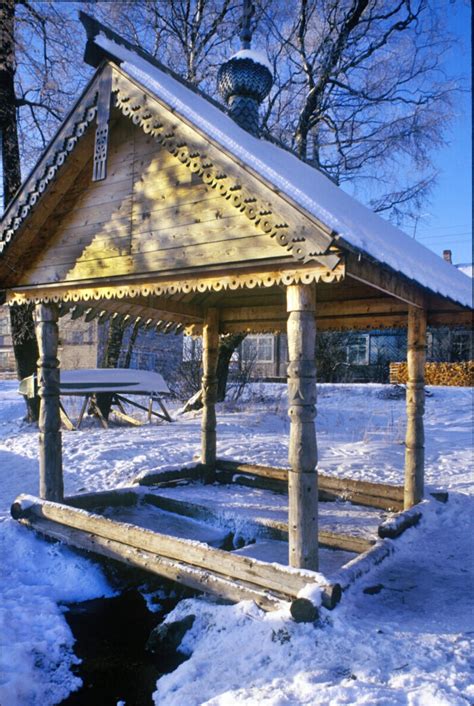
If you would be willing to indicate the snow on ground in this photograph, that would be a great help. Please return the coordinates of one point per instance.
(410, 643)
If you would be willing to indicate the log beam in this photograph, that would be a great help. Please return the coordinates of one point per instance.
(415, 437)
(194, 564)
(358, 492)
(363, 564)
(186, 574)
(392, 283)
(396, 525)
(50, 446)
(210, 349)
(302, 453)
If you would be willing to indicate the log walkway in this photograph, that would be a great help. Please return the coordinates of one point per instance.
(79, 522)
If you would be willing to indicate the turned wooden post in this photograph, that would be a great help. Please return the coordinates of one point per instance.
(210, 349)
(415, 437)
(302, 456)
(50, 451)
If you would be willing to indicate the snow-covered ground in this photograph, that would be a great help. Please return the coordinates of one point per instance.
(409, 643)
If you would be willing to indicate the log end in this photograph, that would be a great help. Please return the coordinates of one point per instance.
(303, 611)
(441, 496)
(391, 529)
(331, 595)
(20, 506)
(16, 510)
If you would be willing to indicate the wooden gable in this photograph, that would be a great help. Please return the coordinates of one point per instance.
(172, 201)
(151, 214)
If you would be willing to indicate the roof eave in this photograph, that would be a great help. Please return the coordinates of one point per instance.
(411, 291)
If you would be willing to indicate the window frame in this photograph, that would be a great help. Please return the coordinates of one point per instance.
(259, 340)
(352, 345)
(461, 346)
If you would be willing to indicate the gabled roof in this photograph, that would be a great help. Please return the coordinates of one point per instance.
(353, 223)
(354, 226)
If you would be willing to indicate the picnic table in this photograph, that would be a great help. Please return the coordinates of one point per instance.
(118, 384)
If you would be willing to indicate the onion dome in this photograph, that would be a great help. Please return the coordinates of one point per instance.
(244, 81)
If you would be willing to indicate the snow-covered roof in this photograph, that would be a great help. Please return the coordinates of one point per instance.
(467, 268)
(354, 223)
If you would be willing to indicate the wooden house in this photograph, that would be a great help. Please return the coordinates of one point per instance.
(7, 358)
(152, 204)
(77, 343)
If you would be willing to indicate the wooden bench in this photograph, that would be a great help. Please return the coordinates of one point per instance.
(117, 383)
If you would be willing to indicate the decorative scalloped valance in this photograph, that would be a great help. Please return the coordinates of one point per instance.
(75, 293)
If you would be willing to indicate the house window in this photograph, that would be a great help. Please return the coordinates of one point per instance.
(461, 345)
(429, 345)
(358, 350)
(4, 324)
(79, 338)
(192, 349)
(259, 349)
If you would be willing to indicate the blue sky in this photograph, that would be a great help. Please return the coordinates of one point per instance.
(446, 222)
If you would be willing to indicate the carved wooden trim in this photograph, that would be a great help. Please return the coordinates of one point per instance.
(102, 130)
(215, 283)
(145, 111)
(83, 120)
(50, 450)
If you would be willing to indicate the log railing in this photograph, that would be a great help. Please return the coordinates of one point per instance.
(379, 495)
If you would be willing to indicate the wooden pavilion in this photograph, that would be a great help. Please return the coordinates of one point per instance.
(152, 205)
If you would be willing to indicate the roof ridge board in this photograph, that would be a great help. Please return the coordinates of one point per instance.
(57, 135)
(93, 27)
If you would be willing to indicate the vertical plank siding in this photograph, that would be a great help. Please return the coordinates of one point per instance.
(150, 214)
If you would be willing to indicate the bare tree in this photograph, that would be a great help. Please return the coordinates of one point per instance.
(49, 70)
(359, 87)
(25, 347)
(8, 121)
(360, 93)
(192, 37)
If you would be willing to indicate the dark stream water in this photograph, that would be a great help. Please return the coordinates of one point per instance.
(111, 635)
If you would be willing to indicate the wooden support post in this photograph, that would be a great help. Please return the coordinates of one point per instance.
(210, 349)
(415, 438)
(50, 450)
(302, 478)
